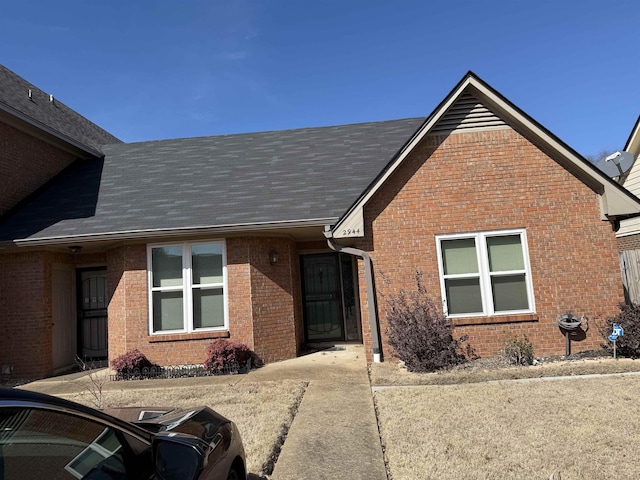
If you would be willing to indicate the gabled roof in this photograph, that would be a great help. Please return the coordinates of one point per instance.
(633, 142)
(616, 202)
(304, 177)
(308, 177)
(51, 120)
(631, 179)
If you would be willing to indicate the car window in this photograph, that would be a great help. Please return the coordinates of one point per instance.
(38, 444)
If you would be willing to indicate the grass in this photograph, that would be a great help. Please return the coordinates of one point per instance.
(453, 424)
(263, 411)
(389, 373)
(582, 428)
(468, 422)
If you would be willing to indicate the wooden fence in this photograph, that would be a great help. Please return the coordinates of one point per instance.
(630, 268)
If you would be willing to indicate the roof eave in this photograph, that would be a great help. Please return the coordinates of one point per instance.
(633, 142)
(170, 232)
(618, 203)
(23, 121)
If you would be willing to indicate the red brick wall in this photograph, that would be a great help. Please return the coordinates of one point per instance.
(25, 317)
(26, 163)
(239, 282)
(26, 308)
(262, 309)
(274, 312)
(629, 242)
(494, 180)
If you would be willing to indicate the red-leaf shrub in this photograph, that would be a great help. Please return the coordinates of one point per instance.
(419, 334)
(129, 361)
(627, 345)
(223, 354)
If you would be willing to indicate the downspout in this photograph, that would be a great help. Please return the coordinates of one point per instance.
(371, 299)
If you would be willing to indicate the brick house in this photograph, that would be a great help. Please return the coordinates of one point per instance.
(281, 239)
(629, 232)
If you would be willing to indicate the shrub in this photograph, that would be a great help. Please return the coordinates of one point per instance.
(223, 354)
(129, 361)
(518, 352)
(627, 345)
(419, 334)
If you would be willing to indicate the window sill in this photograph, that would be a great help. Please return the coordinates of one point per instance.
(179, 337)
(464, 321)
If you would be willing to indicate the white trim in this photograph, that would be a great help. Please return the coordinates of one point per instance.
(180, 231)
(615, 202)
(484, 273)
(187, 286)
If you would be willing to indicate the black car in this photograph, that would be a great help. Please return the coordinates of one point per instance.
(44, 437)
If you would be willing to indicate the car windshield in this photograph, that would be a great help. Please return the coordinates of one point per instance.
(44, 444)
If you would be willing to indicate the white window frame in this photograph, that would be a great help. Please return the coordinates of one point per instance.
(187, 286)
(484, 272)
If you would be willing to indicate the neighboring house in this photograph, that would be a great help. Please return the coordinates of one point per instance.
(629, 232)
(281, 239)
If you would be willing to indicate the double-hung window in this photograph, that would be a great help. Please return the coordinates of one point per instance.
(485, 273)
(187, 287)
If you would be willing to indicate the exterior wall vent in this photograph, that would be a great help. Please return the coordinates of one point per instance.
(467, 113)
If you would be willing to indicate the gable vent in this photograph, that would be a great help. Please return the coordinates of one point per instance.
(467, 113)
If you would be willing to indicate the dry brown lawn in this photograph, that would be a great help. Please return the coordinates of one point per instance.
(390, 373)
(263, 411)
(578, 428)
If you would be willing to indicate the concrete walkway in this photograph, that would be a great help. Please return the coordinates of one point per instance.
(335, 432)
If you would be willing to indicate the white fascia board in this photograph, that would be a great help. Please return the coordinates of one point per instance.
(615, 202)
(173, 232)
(633, 142)
(351, 226)
(355, 217)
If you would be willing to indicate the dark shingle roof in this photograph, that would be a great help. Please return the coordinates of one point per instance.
(55, 116)
(245, 179)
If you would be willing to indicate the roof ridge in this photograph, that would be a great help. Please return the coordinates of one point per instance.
(287, 130)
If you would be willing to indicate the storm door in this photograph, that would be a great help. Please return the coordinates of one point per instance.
(92, 313)
(329, 289)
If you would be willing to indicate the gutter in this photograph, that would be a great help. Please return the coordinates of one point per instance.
(167, 232)
(371, 299)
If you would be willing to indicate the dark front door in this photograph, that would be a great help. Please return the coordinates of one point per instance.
(330, 298)
(92, 313)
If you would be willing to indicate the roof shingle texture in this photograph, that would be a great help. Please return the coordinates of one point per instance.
(244, 179)
(14, 93)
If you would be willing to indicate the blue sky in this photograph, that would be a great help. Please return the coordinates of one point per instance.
(148, 70)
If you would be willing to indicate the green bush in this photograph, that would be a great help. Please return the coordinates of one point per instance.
(518, 351)
(419, 334)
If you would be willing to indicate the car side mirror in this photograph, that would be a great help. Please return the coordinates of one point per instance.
(177, 456)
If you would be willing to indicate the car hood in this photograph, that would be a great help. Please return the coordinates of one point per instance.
(201, 422)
